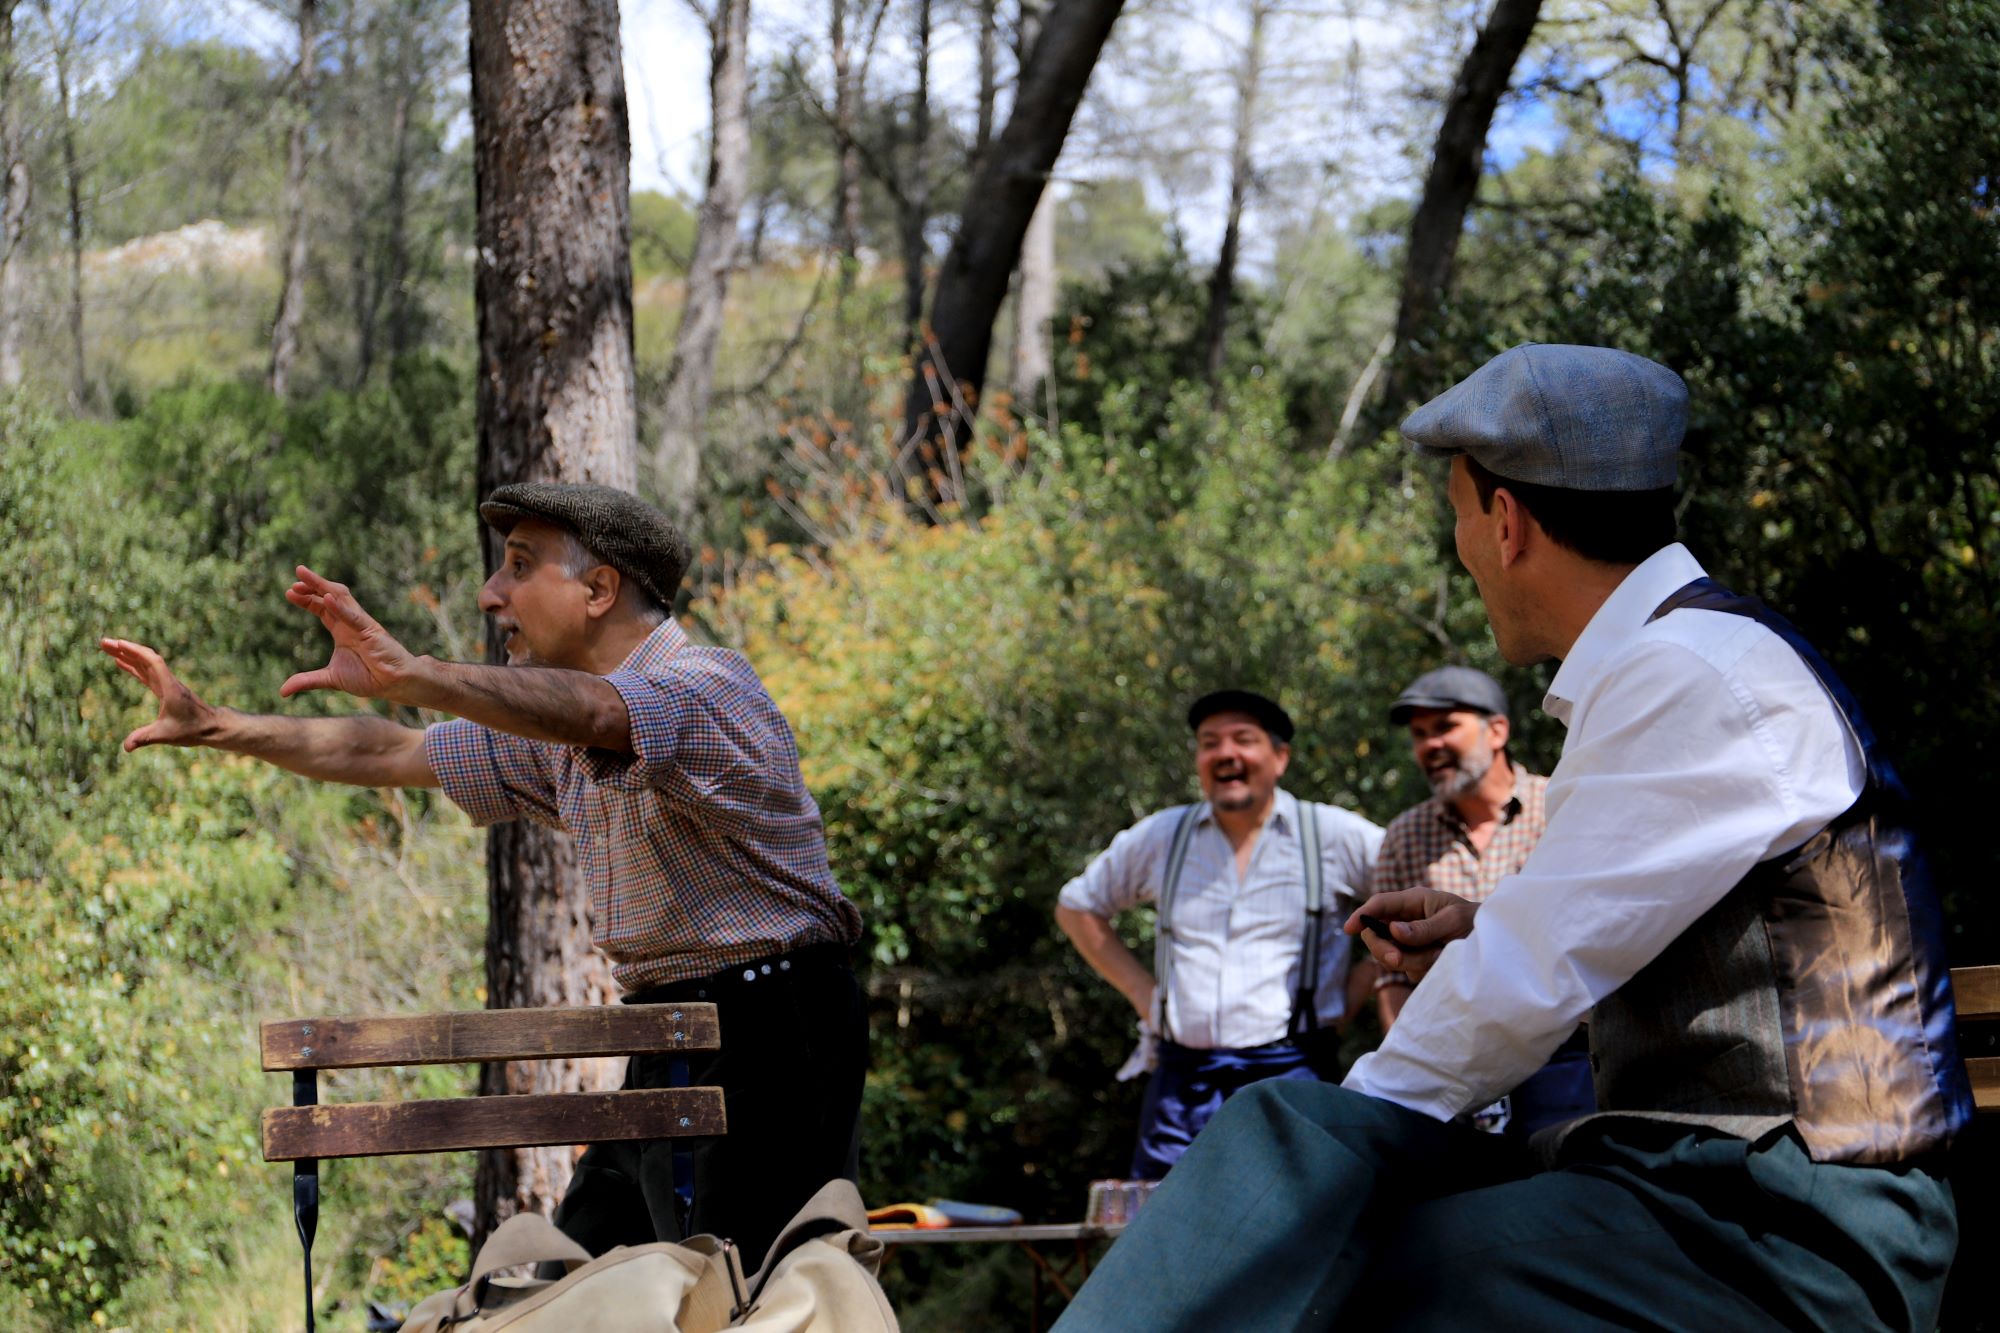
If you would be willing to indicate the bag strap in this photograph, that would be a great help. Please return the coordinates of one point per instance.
(1305, 1007)
(524, 1238)
(1163, 930)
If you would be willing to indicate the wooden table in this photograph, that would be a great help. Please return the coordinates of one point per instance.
(1061, 1273)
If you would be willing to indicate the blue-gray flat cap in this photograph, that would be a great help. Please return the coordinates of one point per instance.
(1448, 688)
(1549, 414)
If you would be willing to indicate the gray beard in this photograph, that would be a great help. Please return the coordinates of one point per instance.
(1456, 782)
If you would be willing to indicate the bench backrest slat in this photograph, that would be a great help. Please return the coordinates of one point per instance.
(386, 1129)
(489, 1034)
(1976, 991)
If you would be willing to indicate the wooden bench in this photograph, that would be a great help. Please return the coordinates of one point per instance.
(1977, 991)
(307, 1131)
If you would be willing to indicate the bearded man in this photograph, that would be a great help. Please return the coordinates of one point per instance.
(1485, 814)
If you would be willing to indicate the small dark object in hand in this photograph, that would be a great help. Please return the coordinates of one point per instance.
(1381, 928)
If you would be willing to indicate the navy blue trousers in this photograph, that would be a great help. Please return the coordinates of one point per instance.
(1307, 1206)
(1189, 1086)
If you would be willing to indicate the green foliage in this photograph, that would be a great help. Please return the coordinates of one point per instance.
(662, 235)
(187, 135)
(436, 1255)
(158, 905)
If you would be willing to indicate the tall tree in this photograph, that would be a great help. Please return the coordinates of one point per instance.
(1035, 293)
(556, 402)
(691, 376)
(972, 283)
(298, 146)
(1249, 75)
(67, 43)
(15, 191)
(1452, 182)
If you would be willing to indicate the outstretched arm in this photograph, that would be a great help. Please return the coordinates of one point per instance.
(364, 750)
(541, 703)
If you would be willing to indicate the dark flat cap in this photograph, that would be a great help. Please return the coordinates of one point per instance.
(622, 530)
(1266, 711)
(1450, 687)
(1549, 414)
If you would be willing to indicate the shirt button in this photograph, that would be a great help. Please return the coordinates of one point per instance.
(767, 969)
(785, 965)
(749, 974)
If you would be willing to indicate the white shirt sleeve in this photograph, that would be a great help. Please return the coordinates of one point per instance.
(1675, 783)
(1126, 873)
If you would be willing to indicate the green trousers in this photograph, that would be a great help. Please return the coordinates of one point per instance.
(1307, 1206)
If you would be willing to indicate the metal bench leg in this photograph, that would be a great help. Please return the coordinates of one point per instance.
(305, 1184)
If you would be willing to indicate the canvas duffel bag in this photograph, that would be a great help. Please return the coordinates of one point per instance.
(818, 1278)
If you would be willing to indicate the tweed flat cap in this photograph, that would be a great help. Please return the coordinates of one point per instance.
(1267, 713)
(622, 530)
(1450, 687)
(1550, 414)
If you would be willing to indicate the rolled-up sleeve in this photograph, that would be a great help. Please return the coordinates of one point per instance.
(491, 775)
(1127, 872)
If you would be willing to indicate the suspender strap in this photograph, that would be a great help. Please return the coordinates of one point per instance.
(1305, 1006)
(1163, 930)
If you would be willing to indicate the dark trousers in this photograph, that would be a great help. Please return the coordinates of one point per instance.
(794, 1049)
(1189, 1086)
(1307, 1206)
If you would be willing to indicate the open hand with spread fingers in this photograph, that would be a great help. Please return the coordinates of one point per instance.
(367, 661)
(184, 719)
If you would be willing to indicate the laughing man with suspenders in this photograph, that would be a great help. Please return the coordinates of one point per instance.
(1251, 885)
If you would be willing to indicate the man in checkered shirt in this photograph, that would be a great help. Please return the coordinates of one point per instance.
(678, 779)
(1484, 815)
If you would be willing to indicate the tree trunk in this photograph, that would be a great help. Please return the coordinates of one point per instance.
(552, 161)
(917, 197)
(1451, 184)
(14, 180)
(691, 377)
(1035, 294)
(79, 380)
(292, 292)
(1222, 282)
(989, 70)
(847, 189)
(1000, 203)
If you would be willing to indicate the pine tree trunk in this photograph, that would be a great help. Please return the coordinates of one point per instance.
(1450, 186)
(1035, 294)
(292, 292)
(917, 194)
(1222, 282)
(556, 402)
(691, 377)
(15, 181)
(79, 378)
(1001, 200)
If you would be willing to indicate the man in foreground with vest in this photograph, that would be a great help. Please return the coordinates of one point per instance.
(1484, 816)
(1252, 885)
(1726, 885)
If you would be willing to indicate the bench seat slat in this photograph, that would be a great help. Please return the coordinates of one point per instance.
(1976, 991)
(488, 1034)
(1985, 1075)
(384, 1129)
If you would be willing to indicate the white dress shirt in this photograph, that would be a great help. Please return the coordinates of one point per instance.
(1698, 746)
(1235, 965)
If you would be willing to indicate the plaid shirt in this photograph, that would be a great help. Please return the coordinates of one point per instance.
(701, 850)
(1426, 846)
